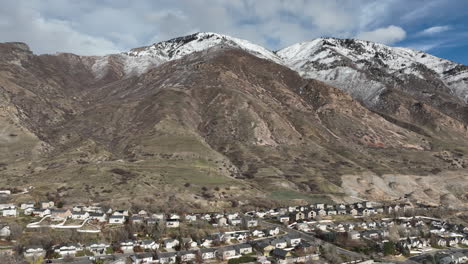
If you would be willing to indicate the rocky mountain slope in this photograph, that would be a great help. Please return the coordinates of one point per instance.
(211, 121)
(371, 72)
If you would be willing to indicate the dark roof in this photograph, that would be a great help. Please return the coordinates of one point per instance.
(280, 252)
(244, 245)
(304, 244)
(147, 242)
(166, 254)
(206, 250)
(183, 252)
(144, 255)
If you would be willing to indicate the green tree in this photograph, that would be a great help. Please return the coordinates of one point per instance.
(389, 248)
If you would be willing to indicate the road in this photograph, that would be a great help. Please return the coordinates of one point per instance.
(314, 239)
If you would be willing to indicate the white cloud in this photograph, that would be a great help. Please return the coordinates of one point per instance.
(385, 35)
(98, 27)
(44, 35)
(434, 30)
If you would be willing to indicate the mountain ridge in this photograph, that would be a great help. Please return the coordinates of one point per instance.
(218, 127)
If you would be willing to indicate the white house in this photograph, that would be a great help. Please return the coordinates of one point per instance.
(67, 249)
(46, 204)
(172, 223)
(6, 206)
(279, 243)
(9, 212)
(171, 243)
(208, 253)
(191, 217)
(4, 230)
(243, 249)
(235, 221)
(34, 252)
(226, 253)
(127, 246)
(117, 219)
(100, 217)
(79, 215)
(97, 248)
(167, 257)
(41, 212)
(120, 213)
(149, 244)
(283, 219)
(186, 256)
(25, 206)
(142, 258)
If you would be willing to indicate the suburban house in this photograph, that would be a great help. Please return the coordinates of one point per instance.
(46, 204)
(258, 233)
(320, 212)
(191, 218)
(280, 253)
(171, 243)
(41, 212)
(100, 217)
(296, 216)
(310, 214)
(136, 219)
(187, 255)
(167, 257)
(354, 235)
(172, 223)
(272, 232)
(149, 244)
(60, 214)
(34, 252)
(264, 247)
(9, 212)
(331, 212)
(222, 221)
(208, 253)
(250, 222)
(67, 249)
(79, 215)
(283, 219)
(235, 221)
(117, 219)
(243, 249)
(207, 242)
(127, 246)
(293, 240)
(279, 243)
(226, 253)
(142, 258)
(25, 206)
(4, 230)
(121, 213)
(6, 206)
(97, 248)
(188, 242)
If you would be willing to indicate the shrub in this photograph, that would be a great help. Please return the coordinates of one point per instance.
(244, 259)
(389, 248)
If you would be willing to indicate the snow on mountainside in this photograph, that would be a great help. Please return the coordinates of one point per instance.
(139, 60)
(352, 64)
(362, 68)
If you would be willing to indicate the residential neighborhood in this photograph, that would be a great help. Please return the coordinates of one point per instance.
(362, 232)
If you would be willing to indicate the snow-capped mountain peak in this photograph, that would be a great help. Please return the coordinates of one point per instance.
(362, 68)
(349, 63)
(139, 60)
(178, 47)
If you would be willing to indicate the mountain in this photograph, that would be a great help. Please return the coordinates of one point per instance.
(139, 60)
(223, 126)
(374, 73)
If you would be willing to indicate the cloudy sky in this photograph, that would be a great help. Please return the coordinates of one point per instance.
(95, 27)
